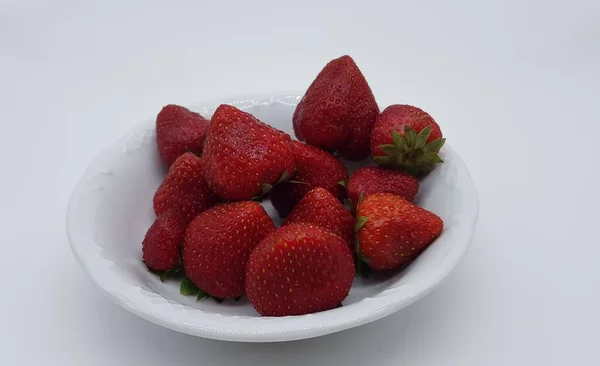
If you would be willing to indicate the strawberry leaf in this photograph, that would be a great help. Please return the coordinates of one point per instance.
(384, 160)
(397, 138)
(202, 295)
(434, 146)
(360, 222)
(422, 137)
(284, 176)
(163, 275)
(266, 188)
(411, 137)
(187, 288)
(360, 199)
(390, 149)
(342, 183)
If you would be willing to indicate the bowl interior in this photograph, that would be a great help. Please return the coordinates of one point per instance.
(119, 203)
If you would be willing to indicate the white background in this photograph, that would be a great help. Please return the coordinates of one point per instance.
(515, 86)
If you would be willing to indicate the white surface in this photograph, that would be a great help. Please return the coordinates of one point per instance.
(111, 209)
(515, 85)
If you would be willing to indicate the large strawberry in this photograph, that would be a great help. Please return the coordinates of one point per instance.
(299, 269)
(320, 207)
(314, 168)
(179, 130)
(218, 243)
(392, 231)
(406, 138)
(338, 110)
(161, 248)
(184, 190)
(245, 157)
(369, 180)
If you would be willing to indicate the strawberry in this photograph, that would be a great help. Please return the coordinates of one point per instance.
(179, 130)
(320, 207)
(218, 243)
(184, 190)
(392, 231)
(338, 110)
(369, 180)
(162, 243)
(245, 157)
(314, 168)
(299, 269)
(406, 138)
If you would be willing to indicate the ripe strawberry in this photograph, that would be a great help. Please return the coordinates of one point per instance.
(184, 190)
(392, 231)
(338, 110)
(179, 130)
(218, 243)
(406, 138)
(162, 243)
(299, 269)
(319, 207)
(369, 180)
(315, 168)
(245, 157)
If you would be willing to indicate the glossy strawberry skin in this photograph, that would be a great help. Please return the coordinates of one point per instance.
(319, 207)
(179, 130)
(338, 110)
(162, 243)
(369, 180)
(395, 231)
(299, 269)
(184, 190)
(315, 168)
(218, 243)
(243, 155)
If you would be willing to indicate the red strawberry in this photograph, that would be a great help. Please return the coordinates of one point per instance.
(162, 243)
(338, 110)
(392, 231)
(406, 138)
(299, 269)
(369, 180)
(179, 130)
(320, 207)
(184, 190)
(316, 168)
(245, 157)
(218, 243)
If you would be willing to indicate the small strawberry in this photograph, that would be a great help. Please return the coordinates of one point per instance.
(314, 168)
(338, 110)
(218, 243)
(299, 269)
(179, 130)
(392, 231)
(369, 180)
(406, 138)
(320, 207)
(184, 190)
(162, 243)
(245, 157)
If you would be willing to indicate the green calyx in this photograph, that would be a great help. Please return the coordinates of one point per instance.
(411, 152)
(163, 275)
(188, 288)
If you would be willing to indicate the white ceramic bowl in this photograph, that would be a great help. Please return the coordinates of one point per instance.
(111, 209)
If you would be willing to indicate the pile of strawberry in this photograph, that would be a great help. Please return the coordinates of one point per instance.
(210, 228)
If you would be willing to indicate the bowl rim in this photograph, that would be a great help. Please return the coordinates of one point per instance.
(153, 307)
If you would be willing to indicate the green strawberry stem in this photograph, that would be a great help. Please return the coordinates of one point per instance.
(411, 152)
